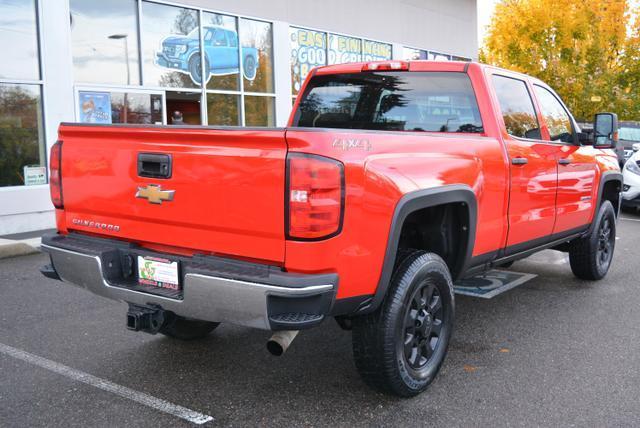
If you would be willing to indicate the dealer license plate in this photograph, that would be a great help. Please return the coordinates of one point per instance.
(157, 272)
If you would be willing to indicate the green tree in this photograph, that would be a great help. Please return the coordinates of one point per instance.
(583, 49)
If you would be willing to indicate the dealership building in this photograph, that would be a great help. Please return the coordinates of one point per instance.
(200, 62)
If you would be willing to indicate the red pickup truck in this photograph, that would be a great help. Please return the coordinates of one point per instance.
(391, 181)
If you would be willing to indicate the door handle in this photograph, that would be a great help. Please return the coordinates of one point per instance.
(564, 161)
(519, 161)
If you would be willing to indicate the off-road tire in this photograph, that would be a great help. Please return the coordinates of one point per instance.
(182, 328)
(590, 257)
(382, 339)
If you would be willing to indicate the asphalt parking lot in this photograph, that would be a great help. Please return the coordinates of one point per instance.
(555, 351)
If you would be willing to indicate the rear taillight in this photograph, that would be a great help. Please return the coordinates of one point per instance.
(55, 174)
(315, 196)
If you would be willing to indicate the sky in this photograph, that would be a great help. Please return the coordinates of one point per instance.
(485, 10)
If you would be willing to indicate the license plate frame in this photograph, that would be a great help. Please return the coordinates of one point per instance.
(159, 273)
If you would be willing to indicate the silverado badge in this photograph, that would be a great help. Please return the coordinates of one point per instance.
(154, 194)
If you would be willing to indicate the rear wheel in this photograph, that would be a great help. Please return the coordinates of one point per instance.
(399, 348)
(590, 257)
(187, 329)
(250, 69)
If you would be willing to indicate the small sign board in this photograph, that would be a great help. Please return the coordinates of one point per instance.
(34, 175)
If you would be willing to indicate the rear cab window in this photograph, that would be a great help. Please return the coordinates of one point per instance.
(516, 106)
(391, 101)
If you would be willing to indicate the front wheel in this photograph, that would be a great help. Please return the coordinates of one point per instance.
(399, 348)
(195, 68)
(590, 257)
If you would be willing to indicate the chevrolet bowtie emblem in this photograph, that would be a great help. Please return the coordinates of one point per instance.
(154, 194)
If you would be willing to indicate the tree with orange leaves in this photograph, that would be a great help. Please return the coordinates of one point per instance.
(588, 51)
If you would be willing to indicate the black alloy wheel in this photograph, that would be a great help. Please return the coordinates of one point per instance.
(423, 323)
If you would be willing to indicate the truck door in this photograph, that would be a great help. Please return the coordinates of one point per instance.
(576, 164)
(533, 165)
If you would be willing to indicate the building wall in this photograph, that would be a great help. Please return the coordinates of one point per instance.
(442, 25)
(446, 26)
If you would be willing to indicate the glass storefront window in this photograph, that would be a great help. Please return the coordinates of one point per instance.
(171, 46)
(259, 111)
(222, 62)
(223, 109)
(183, 108)
(22, 148)
(140, 108)
(308, 50)
(19, 40)
(104, 40)
(256, 41)
(343, 49)
(436, 56)
(119, 107)
(410, 54)
(376, 51)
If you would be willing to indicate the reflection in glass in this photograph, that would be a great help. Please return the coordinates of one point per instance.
(104, 41)
(343, 49)
(436, 56)
(517, 108)
(19, 40)
(221, 51)
(171, 46)
(259, 111)
(183, 108)
(308, 50)
(391, 101)
(223, 109)
(21, 135)
(555, 116)
(140, 108)
(376, 51)
(409, 54)
(257, 55)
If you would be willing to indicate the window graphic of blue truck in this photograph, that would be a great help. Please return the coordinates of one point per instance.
(182, 53)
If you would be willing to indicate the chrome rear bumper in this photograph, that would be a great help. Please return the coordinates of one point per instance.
(207, 297)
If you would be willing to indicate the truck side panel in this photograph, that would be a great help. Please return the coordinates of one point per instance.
(395, 164)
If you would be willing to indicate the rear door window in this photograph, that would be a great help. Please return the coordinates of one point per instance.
(392, 101)
(517, 107)
(556, 117)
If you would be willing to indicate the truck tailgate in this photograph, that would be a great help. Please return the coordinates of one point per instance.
(228, 187)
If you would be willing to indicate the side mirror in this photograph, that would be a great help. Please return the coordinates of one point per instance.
(605, 130)
(636, 147)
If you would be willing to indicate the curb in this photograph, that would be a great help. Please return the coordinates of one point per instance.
(9, 248)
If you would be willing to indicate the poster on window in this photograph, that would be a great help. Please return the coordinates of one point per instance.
(94, 107)
(376, 51)
(308, 50)
(175, 43)
(343, 49)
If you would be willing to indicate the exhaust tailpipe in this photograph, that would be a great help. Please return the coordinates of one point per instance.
(280, 341)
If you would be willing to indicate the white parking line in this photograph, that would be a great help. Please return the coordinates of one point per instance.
(105, 385)
(630, 219)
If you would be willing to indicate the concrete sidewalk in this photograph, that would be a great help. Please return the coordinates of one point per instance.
(21, 244)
